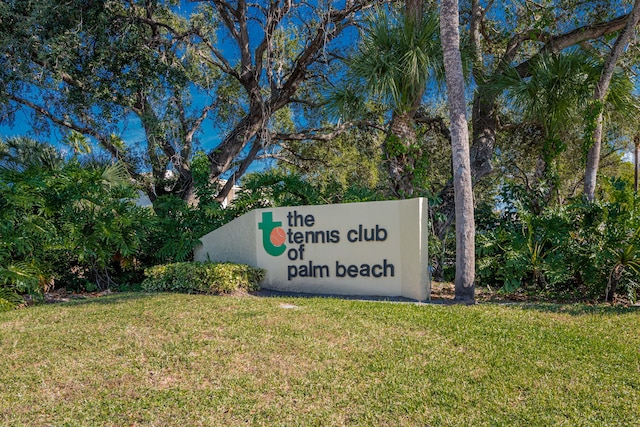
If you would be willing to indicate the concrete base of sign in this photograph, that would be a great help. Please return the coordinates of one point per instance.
(368, 249)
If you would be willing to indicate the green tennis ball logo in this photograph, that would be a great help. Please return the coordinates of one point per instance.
(273, 235)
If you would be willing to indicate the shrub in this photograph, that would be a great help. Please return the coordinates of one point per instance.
(197, 277)
(581, 249)
(65, 222)
(9, 299)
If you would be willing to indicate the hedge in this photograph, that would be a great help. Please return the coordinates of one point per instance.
(202, 277)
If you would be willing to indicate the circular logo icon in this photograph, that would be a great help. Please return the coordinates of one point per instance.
(277, 236)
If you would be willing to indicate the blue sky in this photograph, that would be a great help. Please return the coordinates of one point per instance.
(130, 128)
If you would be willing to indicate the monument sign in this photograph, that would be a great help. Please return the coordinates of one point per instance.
(369, 248)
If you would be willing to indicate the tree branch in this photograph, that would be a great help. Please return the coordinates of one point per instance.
(434, 122)
(328, 28)
(309, 103)
(242, 168)
(103, 140)
(198, 122)
(562, 41)
(324, 134)
(274, 17)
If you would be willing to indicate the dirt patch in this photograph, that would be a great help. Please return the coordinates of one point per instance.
(61, 295)
(444, 291)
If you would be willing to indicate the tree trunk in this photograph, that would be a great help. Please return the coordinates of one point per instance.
(612, 284)
(162, 153)
(481, 153)
(485, 124)
(635, 162)
(223, 155)
(400, 153)
(463, 192)
(593, 156)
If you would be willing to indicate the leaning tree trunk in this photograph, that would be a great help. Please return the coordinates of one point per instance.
(465, 225)
(636, 151)
(593, 156)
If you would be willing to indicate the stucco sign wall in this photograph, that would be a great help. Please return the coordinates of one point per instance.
(372, 248)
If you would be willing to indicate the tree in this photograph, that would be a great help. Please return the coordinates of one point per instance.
(397, 54)
(465, 226)
(593, 157)
(554, 100)
(87, 65)
(515, 38)
(348, 158)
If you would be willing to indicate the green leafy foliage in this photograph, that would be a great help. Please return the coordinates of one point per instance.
(9, 299)
(178, 225)
(65, 222)
(351, 159)
(579, 249)
(207, 277)
(279, 188)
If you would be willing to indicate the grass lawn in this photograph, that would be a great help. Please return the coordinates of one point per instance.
(187, 360)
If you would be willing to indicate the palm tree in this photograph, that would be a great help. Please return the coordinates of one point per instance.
(625, 258)
(463, 191)
(553, 97)
(397, 55)
(550, 98)
(21, 152)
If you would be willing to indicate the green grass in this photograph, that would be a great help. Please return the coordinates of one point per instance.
(190, 360)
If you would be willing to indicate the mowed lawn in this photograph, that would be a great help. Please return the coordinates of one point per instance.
(192, 360)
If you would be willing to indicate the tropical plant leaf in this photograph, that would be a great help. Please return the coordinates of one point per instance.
(9, 299)
(115, 174)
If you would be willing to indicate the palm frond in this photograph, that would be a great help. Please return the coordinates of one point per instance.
(345, 102)
(621, 97)
(396, 56)
(115, 174)
(18, 153)
(79, 143)
(554, 92)
(22, 275)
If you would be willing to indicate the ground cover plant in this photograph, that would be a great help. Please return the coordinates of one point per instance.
(64, 222)
(175, 359)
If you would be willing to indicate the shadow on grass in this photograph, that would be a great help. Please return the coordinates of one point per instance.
(579, 309)
(268, 293)
(573, 309)
(111, 299)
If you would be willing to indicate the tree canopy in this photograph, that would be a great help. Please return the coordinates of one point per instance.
(240, 67)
